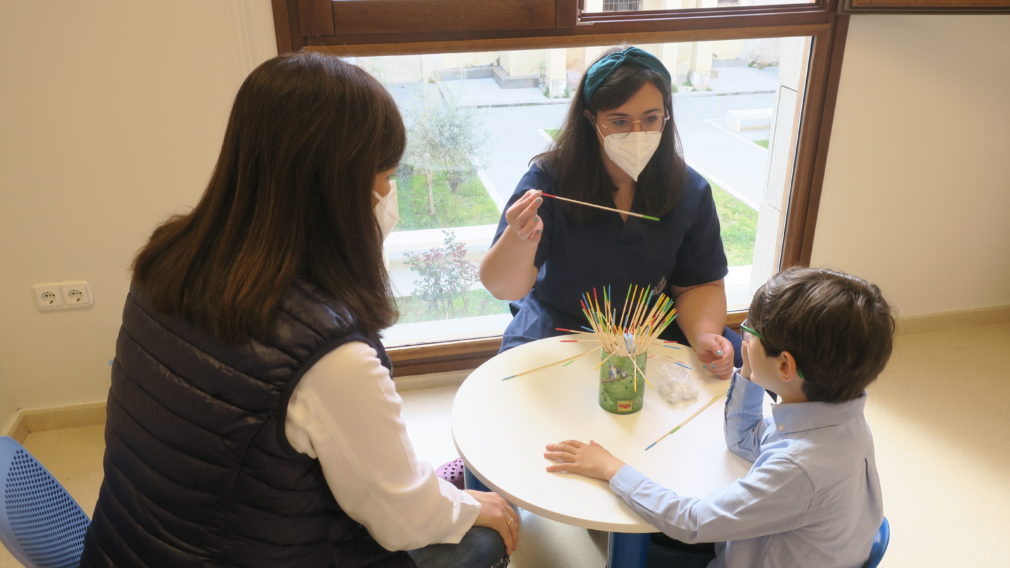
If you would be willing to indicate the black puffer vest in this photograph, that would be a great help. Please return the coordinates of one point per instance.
(198, 469)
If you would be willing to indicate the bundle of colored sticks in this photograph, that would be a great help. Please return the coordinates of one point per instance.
(643, 316)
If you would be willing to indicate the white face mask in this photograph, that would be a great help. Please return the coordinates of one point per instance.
(632, 152)
(387, 210)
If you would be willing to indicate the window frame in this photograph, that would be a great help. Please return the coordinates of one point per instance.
(309, 25)
(925, 6)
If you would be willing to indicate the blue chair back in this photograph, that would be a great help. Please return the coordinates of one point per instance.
(40, 523)
(879, 545)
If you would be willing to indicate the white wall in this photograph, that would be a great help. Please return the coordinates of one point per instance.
(112, 111)
(917, 188)
(111, 115)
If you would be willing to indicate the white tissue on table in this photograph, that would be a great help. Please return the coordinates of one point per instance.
(672, 381)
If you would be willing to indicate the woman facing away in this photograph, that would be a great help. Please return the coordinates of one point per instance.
(618, 148)
(252, 419)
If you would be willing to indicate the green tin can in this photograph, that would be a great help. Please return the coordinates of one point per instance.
(622, 383)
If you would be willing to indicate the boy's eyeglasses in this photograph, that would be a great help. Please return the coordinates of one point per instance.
(746, 331)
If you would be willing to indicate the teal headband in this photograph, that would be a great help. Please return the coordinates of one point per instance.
(605, 67)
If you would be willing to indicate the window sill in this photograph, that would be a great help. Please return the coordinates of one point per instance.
(466, 354)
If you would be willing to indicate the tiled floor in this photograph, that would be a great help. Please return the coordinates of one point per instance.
(941, 420)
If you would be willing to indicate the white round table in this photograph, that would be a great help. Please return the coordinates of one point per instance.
(500, 427)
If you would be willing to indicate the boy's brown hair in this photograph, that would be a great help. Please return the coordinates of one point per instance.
(838, 327)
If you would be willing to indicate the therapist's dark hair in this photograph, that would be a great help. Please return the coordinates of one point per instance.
(837, 326)
(575, 155)
(290, 196)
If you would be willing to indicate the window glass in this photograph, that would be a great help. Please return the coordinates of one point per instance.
(595, 6)
(621, 6)
(476, 119)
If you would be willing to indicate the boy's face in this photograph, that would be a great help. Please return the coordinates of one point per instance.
(777, 374)
(764, 370)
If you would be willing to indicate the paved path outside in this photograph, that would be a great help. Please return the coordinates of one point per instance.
(515, 119)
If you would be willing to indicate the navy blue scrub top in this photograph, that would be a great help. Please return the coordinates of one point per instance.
(684, 249)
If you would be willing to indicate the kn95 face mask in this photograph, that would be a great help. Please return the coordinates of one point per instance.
(632, 151)
(387, 210)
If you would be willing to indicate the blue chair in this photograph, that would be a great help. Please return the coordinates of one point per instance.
(40, 523)
(879, 545)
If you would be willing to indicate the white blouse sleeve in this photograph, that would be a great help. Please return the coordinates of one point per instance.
(346, 413)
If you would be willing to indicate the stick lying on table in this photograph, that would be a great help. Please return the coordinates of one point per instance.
(566, 360)
(688, 419)
(649, 217)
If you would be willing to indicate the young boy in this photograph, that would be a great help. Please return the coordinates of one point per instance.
(816, 338)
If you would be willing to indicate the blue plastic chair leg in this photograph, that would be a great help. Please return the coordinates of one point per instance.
(628, 550)
(470, 481)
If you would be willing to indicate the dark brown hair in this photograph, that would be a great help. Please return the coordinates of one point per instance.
(574, 156)
(837, 326)
(290, 196)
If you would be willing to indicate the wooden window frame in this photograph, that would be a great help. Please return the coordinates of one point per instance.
(925, 6)
(309, 25)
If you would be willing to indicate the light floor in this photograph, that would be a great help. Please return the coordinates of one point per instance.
(941, 420)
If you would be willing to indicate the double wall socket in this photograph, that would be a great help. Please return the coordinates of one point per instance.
(70, 295)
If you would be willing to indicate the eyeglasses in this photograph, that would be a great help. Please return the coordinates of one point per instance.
(747, 332)
(620, 127)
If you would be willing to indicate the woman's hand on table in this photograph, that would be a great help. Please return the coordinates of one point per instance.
(591, 460)
(716, 354)
(522, 217)
(497, 514)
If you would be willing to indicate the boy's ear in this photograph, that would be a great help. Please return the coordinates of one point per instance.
(788, 371)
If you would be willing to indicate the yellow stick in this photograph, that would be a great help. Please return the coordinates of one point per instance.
(688, 419)
(636, 320)
(572, 358)
(634, 384)
(609, 355)
(664, 357)
(649, 217)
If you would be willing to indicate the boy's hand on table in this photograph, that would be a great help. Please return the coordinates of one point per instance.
(591, 460)
(716, 354)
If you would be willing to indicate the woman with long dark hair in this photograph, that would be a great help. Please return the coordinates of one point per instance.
(252, 420)
(618, 148)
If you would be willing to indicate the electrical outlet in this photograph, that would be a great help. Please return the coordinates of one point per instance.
(73, 294)
(48, 296)
(76, 294)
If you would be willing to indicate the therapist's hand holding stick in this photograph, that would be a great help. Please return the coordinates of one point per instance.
(507, 270)
(523, 219)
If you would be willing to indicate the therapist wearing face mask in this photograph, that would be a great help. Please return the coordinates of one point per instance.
(618, 148)
(252, 419)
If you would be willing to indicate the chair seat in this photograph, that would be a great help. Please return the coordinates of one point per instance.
(40, 522)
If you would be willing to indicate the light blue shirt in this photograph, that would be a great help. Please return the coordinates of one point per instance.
(812, 497)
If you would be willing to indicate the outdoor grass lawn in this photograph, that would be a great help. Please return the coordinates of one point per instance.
(470, 205)
(481, 303)
(738, 223)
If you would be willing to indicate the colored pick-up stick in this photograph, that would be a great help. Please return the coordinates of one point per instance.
(649, 217)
